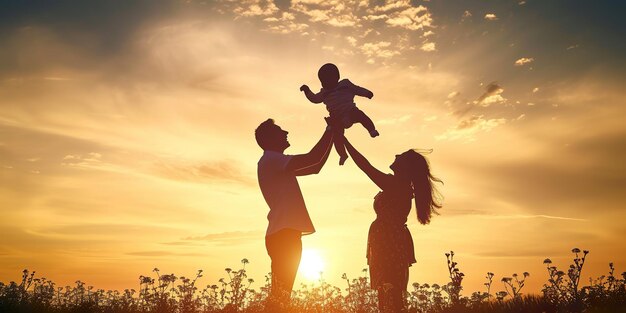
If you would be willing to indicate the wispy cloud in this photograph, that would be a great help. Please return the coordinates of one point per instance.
(522, 216)
(524, 61)
(411, 18)
(219, 171)
(249, 8)
(161, 253)
(379, 49)
(395, 120)
(314, 18)
(492, 95)
(491, 17)
(467, 128)
(228, 237)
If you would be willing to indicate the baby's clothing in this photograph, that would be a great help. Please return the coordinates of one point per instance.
(339, 101)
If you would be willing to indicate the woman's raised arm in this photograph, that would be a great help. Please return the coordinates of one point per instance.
(382, 180)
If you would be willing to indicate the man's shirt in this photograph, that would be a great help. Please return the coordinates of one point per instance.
(282, 193)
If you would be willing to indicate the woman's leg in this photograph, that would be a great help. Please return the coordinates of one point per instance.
(399, 293)
(392, 296)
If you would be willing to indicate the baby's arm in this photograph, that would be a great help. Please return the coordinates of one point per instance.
(313, 97)
(360, 91)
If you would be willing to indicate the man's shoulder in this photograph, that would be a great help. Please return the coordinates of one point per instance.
(272, 157)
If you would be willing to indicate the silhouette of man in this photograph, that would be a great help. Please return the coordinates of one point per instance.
(288, 217)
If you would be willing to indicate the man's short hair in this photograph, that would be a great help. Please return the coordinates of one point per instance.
(263, 133)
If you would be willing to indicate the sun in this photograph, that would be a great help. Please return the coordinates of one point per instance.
(311, 264)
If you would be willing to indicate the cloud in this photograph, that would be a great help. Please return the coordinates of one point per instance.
(89, 160)
(522, 216)
(392, 6)
(468, 128)
(231, 237)
(313, 18)
(328, 12)
(351, 40)
(395, 120)
(161, 253)
(491, 17)
(466, 15)
(248, 8)
(524, 61)
(428, 47)
(284, 24)
(217, 171)
(453, 94)
(492, 95)
(413, 18)
(378, 49)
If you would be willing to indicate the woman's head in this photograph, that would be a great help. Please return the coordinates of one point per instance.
(414, 167)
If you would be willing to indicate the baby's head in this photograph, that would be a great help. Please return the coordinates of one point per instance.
(328, 75)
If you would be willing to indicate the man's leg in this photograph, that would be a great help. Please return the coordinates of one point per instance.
(285, 251)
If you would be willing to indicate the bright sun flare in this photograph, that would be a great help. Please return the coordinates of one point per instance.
(311, 264)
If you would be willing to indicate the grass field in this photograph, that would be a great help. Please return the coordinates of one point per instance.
(563, 292)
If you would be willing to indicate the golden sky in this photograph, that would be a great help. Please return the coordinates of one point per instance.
(126, 133)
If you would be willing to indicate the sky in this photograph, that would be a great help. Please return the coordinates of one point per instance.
(126, 133)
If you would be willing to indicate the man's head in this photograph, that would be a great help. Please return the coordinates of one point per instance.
(328, 75)
(270, 136)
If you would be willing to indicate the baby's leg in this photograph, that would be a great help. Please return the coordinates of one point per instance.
(360, 117)
(340, 146)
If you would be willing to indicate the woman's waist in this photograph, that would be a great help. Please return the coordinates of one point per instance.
(397, 221)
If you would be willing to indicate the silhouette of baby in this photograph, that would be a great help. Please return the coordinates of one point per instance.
(338, 96)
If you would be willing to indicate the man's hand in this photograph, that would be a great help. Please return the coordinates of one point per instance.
(305, 88)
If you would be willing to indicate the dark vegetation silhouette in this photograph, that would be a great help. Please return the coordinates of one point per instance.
(167, 293)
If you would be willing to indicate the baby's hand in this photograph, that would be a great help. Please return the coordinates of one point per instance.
(304, 88)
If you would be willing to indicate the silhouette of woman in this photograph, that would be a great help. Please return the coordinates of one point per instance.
(390, 250)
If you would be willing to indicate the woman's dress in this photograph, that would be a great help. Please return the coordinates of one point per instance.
(390, 249)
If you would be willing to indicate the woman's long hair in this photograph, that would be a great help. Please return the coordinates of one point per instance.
(427, 197)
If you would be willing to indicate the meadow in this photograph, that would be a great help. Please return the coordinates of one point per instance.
(167, 293)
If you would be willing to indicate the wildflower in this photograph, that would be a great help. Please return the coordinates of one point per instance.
(575, 250)
(547, 261)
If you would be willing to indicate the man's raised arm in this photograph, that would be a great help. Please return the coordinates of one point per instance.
(318, 153)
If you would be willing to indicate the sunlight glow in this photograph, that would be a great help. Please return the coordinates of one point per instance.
(312, 264)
